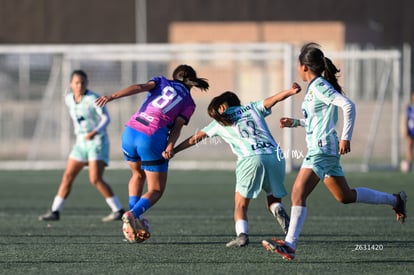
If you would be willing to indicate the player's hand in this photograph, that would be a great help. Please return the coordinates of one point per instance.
(286, 122)
(101, 101)
(344, 147)
(296, 88)
(90, 135)
(168, 154)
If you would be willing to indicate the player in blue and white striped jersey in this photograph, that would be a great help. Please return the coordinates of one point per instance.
(320, 110)
(260, 161)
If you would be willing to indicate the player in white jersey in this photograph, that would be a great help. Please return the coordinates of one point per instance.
(320, 109)
(91, 148)
(260, 161)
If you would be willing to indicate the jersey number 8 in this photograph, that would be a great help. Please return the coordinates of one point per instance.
(168, 94)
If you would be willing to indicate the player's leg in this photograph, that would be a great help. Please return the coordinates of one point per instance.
(147, 150)
(410, 152)
(274, 186)
(277, 209)
(305, 183)
(340, 189)
(241, 205)
(73, 167)
(96, 171)
(156, 182)
(136, 183)
(133, 220)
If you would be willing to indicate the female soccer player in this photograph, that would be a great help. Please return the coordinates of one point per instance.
(320, 109)
(91, 148)
(151, 132)
(260, 161)
(407, 164)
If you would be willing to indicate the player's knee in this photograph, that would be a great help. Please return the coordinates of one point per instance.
(345, 200)
(95, 181)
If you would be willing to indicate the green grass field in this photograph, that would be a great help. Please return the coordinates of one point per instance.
(190, 226)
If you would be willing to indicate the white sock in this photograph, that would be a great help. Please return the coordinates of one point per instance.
(370, 196)
(242, 227)
(274, 206)
(114, 203)
(297, 219)
(57, 204)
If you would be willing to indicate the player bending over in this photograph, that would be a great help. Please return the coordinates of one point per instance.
(260, 161)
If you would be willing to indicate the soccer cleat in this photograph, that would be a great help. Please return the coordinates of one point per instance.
(49, 216)
(399, 209)
(143, 231)
(135, 230)
(240, 241)
(114, 216)
(280, 247)
(129, 227)
(282, 218)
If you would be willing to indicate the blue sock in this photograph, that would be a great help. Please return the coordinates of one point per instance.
(132, 201)
(140, 207)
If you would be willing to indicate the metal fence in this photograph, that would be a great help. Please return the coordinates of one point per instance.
(36, 131)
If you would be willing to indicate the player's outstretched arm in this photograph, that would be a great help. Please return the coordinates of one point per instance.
(289, 122)
(280, 96)
(130, 90)
(191, 141)
(173, 137)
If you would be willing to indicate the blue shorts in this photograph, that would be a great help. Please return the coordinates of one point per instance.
(88, 150)
(324, 165)
(261, 172)
(139, 147)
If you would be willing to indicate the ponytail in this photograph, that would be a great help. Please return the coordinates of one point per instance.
(200, 83)
(330, 74)
(312, 56)
(188, 76)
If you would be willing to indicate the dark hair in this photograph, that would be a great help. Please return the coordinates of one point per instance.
(187, 75)
(79, 72)
(213, 108)
(312, 56)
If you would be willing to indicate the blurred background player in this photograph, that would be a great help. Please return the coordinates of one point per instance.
(151, 132)
(409, 126)
(91, 148)
(320, 109)
(260, 161)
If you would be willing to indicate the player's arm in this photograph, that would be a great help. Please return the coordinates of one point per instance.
(173, 137)
(103, 123)
(349, 114)
(191, 141)
(280, 96)
(130, 90)
(291, 122)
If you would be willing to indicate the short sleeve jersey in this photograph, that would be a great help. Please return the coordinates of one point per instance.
(167, 101)
(85, 115)
(249, 135)
(320, 118)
